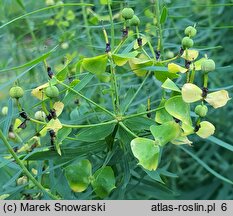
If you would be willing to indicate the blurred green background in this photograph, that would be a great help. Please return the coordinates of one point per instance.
(78, 32)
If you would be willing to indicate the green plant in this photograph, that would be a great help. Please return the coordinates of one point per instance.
(16, 92)
(52, 92)
(98, 126)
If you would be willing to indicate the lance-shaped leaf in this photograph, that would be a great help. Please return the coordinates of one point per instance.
(206, 129)
(78, 175)
(169, 84)
(176, 107)
(96, 65)
(175, 68)
(104, 181)
(191, 93)
(166, 132)
(146, 151)
(217, 99)
(121, 59)
(190, 55)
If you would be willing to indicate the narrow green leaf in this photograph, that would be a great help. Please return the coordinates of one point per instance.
(154, 175)
(163, 16)
(139, 123)
(32, 62)
(70, 152)
(130, 93)
(104, 181)
(220, 143)
(8, 118)
(20, 4)
(95, 133)
(78, 87)
(202, 163)
(44, 9)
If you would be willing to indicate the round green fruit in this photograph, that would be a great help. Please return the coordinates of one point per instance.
(40, 115)
(201, 110)
(135, 21)
(5, 110)
(190, 31)
(52, 92)
(127, 13)
(16, 92)
(169, 54)
(208, 65)
(187, 42)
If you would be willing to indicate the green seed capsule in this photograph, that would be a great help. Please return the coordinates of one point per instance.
(208, 65)
(190, 31)
(16, 92)
(40, 115)
(52, 92)
(201, 110)
(135, 21)
(5, 110)
(169, 54)
(187, 42)
(127, 13)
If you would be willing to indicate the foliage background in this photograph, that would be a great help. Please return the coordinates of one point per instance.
(184, 177)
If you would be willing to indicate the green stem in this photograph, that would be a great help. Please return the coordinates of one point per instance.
(122, 42)
(171, 59)
(77, 126)
(116, 101)
(151, 49)
(187, 73)
(127, 129)
(25, 170)
(87, 99)
(205, 80)
(188, 76)
(112, 24)
(160, 35)
(90, 125)
(136, 93)
(137, 32)
(142, 113)
(192, 75)
(86, 24)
